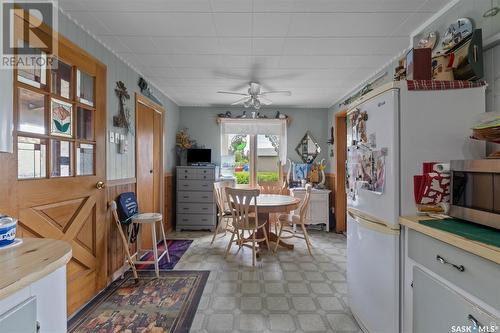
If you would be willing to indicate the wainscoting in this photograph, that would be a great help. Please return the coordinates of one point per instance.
(116, 250)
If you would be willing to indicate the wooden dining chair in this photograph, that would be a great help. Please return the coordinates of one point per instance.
(243, 205)
(288, 220)
(273, 188)
(223, 212)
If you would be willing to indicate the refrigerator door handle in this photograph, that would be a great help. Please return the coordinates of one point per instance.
(376, 226)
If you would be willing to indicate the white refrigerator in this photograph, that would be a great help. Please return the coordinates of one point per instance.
(391, 132)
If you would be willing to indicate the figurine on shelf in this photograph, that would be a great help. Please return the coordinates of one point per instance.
(322, 167)
(227, 114)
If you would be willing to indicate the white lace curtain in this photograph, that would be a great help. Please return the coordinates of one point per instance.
(276, 127)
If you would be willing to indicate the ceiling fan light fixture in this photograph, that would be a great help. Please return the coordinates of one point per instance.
(247, 103)
(256, 104)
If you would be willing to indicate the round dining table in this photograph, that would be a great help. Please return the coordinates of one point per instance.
(274, 203)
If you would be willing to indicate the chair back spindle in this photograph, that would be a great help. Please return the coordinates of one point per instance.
(304, 205)
(242, 203)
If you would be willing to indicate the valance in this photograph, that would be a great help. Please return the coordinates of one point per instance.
(264, 126)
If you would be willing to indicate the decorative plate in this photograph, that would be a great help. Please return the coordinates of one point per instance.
(457, 32)
(428, 41)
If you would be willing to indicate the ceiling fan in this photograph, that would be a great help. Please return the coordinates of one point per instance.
(255, 97)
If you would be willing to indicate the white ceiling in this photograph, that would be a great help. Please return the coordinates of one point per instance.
(190, 49)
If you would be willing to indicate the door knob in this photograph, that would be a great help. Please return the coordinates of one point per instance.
(100, 185)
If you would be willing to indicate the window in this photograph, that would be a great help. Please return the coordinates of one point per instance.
(55, 122)
(253, 150)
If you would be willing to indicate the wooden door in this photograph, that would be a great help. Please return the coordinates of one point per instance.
(340, 159)
(149, 160)
(59, 159)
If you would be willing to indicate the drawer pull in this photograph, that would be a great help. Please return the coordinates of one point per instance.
(461, 268)
(205, 197)
(186, 197)
(474, 321)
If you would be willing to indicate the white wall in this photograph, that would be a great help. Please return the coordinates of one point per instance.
(202, 127)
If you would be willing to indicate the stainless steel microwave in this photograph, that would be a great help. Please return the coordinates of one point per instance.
(475, 191)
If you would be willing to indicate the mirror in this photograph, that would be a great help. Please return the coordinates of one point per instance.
(308, 148)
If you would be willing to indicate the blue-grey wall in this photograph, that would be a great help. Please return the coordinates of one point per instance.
(202, 127)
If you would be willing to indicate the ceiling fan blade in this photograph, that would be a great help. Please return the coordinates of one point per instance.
(232, 93)
(241, 100)
(265, 101)
(281, 92)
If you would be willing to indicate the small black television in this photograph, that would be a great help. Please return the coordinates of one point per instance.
(195, 156)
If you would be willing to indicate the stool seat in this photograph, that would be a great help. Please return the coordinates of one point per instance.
(147, 218)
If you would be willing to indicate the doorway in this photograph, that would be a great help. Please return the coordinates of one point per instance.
(340, 160)
(57, 172)
(149, 160)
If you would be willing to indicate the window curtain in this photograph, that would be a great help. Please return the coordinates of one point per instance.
(276, 127)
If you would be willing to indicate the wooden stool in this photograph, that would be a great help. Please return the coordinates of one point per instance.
(150, 219)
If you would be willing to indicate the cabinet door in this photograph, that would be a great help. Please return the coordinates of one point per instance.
(438, 308)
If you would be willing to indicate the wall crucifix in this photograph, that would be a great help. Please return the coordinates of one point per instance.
(122, 120)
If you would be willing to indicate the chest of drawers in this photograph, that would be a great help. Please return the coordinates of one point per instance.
(196, 208)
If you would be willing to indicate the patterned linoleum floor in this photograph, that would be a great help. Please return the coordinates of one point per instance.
(287, 292)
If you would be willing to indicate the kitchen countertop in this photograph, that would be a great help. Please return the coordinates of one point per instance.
(480, 249)
(33, 259)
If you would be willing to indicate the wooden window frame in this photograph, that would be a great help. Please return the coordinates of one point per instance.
(48, 136)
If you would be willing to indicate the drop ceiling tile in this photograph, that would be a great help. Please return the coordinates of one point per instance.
(234, 46)
(346, 24)
(138, 44)
(319, 62)
(345, 46)
(268, 46)
(231, 5)
(158, 24)
(317, 48)
(339, 6)
(233, 24)
(271, 24)
(141, 6)
(266, 62)
(281, 6)
(186, 45)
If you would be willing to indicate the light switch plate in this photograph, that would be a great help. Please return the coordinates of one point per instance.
(117, 137)
(111, 137)
(122, 137)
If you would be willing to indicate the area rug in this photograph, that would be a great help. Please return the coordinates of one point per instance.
(153, 305)
(176, 249)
